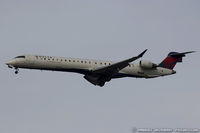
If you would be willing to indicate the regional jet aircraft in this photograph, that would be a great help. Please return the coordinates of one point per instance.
(99, 72)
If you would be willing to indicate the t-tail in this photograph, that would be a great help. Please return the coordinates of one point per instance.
(172, 58)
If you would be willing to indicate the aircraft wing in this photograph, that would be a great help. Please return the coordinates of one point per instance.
(116, 67)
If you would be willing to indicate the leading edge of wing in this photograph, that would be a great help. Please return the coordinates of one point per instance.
(116, 67)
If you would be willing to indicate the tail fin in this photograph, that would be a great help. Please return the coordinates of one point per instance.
(172, 58)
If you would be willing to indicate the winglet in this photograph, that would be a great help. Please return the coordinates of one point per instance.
(140, 55)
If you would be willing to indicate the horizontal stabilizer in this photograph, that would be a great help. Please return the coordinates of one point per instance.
(178, 55)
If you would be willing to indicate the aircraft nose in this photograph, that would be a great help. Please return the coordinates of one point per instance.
(10, 63)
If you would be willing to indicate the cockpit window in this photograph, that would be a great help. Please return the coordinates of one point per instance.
(20, 57)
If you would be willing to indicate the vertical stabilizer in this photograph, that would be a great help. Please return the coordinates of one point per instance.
(172, 58)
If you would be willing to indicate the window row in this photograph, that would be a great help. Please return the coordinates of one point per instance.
(79, 61)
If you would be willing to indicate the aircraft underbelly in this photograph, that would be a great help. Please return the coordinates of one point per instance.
(56, 66)
(138, 72)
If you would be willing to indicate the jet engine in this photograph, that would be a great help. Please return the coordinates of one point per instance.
(147, 64)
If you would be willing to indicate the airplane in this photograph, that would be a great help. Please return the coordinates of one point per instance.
(99, 72)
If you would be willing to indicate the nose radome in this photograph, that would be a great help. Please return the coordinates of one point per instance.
(10, 62)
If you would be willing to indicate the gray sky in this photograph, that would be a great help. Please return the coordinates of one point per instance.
(35, 101)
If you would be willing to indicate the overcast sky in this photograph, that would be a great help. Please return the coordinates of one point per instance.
(49, 102)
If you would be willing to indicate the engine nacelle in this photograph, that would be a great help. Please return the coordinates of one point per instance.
(147, 64)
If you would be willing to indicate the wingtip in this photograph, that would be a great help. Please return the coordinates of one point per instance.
(140, 55)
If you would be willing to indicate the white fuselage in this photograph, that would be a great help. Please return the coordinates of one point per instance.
(83, 66)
